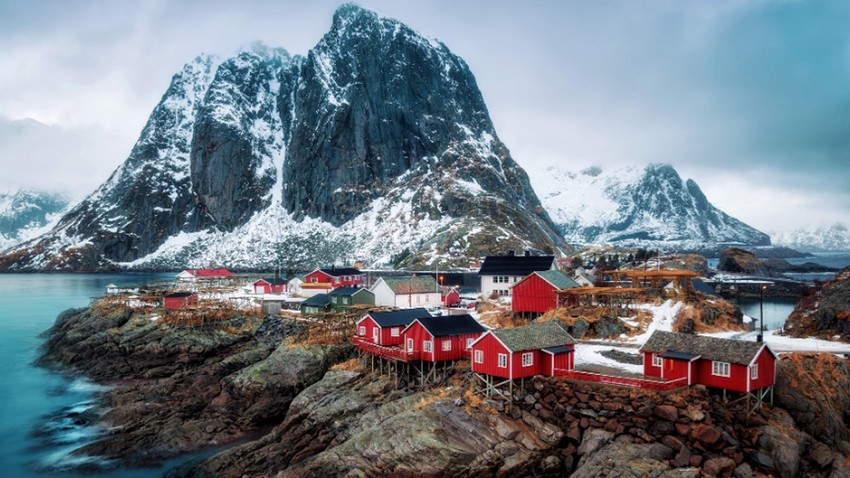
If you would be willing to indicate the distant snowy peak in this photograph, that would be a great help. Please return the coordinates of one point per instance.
(638, 206)
(27, 213)
(819, 239)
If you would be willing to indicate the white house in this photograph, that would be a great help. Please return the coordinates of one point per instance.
(407, 292)
(499, 273)
(294, 285)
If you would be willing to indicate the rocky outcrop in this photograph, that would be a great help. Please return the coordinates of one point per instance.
(824, 312)
(741, 261)
(177, 390)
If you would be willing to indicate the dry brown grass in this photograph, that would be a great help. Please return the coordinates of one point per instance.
(433, 396)
(350, 364)
(723, 321)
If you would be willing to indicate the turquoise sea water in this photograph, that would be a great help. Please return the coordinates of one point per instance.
(39, 425)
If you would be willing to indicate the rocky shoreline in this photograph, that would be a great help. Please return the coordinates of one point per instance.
(296, 409)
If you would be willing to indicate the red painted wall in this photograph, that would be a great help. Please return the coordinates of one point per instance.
(263, 287)
(533, 294)
(490, 347)
(767, 370)
(451, 298)
(180, 302)
(339, 281)
(675, 369)
(736, 381)
(437, 354)
(648, 369)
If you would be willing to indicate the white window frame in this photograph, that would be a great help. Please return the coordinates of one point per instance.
(447, 345)
(410, 345)
(754, 372)
(721, 369)
(314, 279)
(469, 341)
(427, 346)
(362, 331)
(479, 356)
(503, 360)
(657, 361)
(395, 331)
(527, 359)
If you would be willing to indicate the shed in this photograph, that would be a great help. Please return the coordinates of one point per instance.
(179, 300)
(317, 304)
(336, 277)
(406, 291)
(343, 297)
(270, 285)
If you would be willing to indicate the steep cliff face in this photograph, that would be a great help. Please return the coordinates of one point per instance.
(377, 145)
(639, 207)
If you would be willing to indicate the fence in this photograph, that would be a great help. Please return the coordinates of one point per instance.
(629, 382)
(391, 353)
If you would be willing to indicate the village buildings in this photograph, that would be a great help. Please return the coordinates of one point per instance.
(536, 293)
(270, 285)
(406, 291)
(345, 297)
(520, 352)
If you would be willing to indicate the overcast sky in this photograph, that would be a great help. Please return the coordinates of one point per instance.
(748, 98)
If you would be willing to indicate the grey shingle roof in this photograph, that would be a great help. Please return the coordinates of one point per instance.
(318, 300)
(558, 279)
(412, 285)
(540, 335)
(710, 348)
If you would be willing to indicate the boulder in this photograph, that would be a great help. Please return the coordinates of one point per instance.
(719, 466)
(706, 434)
(666, 412)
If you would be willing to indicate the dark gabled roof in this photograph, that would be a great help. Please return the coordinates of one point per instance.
(557, 279)
(701, 286)
(318, 300)
(177, 295)
(679, 355)
(515, 265)
(540, 335)
(710, 348)
(348, 291)
(411, 285)
(395, 318)
(274, 281)
(444, 326)
(557, 349)
(340, 271)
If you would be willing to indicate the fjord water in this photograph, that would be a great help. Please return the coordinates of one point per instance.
(38, 406)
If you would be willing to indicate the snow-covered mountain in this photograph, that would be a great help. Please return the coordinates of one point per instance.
(376, 146)
(818, 239)
(633, 206)
(26, 214)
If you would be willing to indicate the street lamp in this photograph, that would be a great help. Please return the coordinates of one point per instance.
(760, 337)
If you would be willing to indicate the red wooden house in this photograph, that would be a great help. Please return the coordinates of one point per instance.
(179, 300)
(536, 292)
(273, 285)
(335, 277)
(384, 328)
(437, 339)
(736, 365)
(519, 352)
(190, 274)
(449, 296)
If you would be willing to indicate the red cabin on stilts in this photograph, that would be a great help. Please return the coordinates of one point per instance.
(519, 352)
(438, 339)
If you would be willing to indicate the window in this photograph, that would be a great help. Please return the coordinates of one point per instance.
(503, 360)
(345, 300)
(527, 359)
(720, 369)
(657, 361)
(428, 346)
(314, 279)
(447, 345)
(410, 345)
(362, 330)
(469, 342)
(479, 356)
(394, 332)
(754, 372)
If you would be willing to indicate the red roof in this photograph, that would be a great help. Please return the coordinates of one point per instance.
(210, 272)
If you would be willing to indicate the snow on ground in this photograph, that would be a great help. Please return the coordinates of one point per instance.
(662, 319)
(589, 354)
(781, 343)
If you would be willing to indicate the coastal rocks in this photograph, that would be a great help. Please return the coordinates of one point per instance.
(815, 390)
(741, 261)
(382, 431)
(630, 460)
(783, 443)
(825, 313)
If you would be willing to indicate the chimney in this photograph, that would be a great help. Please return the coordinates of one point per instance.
(511, 253)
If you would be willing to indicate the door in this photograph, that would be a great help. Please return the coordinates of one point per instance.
(375, 335)
(410, 346)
